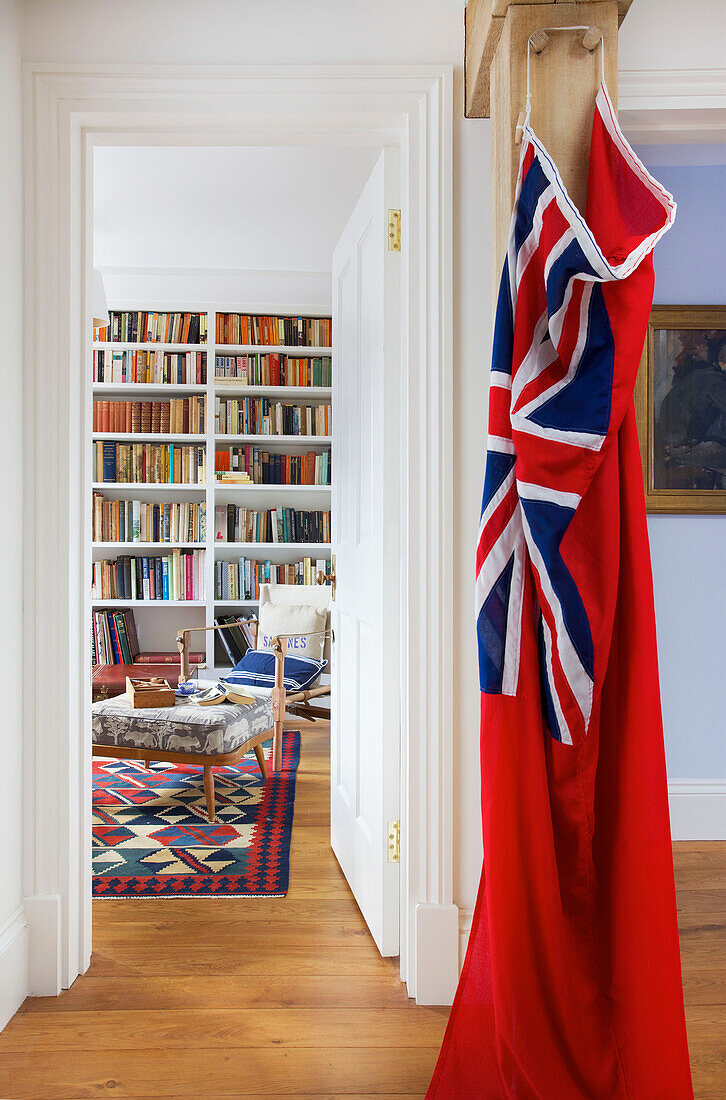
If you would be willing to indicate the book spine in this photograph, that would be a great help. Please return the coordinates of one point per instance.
(109, 461)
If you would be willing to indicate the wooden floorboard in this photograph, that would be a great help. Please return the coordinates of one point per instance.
(288, 997)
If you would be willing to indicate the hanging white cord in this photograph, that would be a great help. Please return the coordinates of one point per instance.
(549, 30)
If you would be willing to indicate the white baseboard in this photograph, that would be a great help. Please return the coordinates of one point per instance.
(437, 951)
(698, 809)
(43, 912)
(13, 964)
(466, 914)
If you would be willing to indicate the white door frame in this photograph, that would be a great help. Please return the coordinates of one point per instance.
(69, 109)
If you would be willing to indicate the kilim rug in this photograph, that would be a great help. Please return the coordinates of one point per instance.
(152, 837)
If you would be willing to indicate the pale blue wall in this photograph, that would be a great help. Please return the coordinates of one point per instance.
(689, 552)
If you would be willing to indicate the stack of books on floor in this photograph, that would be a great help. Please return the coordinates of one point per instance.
(179, 416)
(263, 416)
(241, 579)
(151, 367)
(268, 468)
(143, 327)
(178, 575)
(254, 328)
(114, 641)
(143, 521)
(150, 463)
(233, 523)
(273, 369)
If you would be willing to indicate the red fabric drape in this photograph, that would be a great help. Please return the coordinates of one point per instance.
(571, 986)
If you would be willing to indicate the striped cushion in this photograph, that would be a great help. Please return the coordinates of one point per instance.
(257, 669)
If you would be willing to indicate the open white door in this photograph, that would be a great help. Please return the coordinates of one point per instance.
(366, 459)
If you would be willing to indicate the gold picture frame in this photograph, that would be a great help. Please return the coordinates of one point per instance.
(680, 386)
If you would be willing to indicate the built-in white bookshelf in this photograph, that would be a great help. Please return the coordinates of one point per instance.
(158, 620)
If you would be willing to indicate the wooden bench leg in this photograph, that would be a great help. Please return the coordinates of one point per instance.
(260, 754)
(209, 790)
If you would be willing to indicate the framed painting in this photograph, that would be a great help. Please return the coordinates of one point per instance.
(680, 405)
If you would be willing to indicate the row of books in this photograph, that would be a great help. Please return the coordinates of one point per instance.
(233, 523)
(141, 327)
(178, 575)
(115, 641)
(236, 639)
(179, 416)
(168, 368)
(267, 468)
(262, 416)
(273, 369)
(142, 521)
(254, 328)
(241, 579)
(150, 463)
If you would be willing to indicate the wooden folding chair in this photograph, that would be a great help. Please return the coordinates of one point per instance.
(306, 714)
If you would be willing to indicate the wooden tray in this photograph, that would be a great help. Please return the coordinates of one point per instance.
(154, 692)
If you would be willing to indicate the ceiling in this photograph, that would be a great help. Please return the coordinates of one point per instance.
(221, 208)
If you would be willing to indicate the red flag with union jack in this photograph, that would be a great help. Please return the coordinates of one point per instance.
(571, 986)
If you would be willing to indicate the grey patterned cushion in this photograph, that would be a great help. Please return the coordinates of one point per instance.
(209, 731)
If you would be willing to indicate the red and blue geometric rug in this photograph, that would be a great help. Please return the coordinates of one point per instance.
(152, 837)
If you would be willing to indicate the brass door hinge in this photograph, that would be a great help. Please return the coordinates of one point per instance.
(394, 841)
(394, 230)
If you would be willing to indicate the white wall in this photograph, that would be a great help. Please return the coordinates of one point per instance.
(665, 34)
(655, 35)
(252, 208)
(13, 937)
(689, 571)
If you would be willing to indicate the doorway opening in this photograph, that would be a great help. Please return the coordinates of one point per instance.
(245, 420)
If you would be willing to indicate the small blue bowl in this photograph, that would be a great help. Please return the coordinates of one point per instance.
(188, 687)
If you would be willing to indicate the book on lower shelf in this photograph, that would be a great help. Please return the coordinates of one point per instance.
(115, 641)
(150, 463)
(257, 328)
(286, 526)
(178, 416)
(266, 467)
(241, 579)
(146, 521)
(264, 416)
(178, 575)
(273, 369)
(236, 638)
(159, 368)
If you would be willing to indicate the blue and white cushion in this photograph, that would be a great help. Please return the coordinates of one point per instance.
(257, 669)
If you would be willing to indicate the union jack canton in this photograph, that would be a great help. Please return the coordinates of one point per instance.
(549, 413)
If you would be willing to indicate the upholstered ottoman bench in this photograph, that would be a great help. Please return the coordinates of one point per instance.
(215, 736)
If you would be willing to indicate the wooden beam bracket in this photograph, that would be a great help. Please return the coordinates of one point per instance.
(484, 22)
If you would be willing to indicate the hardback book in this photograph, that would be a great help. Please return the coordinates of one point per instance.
(238, 636)
(109, 461)
(236, 694)
(154, 658)
(227, 642)
(211, 697)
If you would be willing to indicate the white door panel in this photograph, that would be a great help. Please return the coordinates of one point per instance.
(365, 741)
